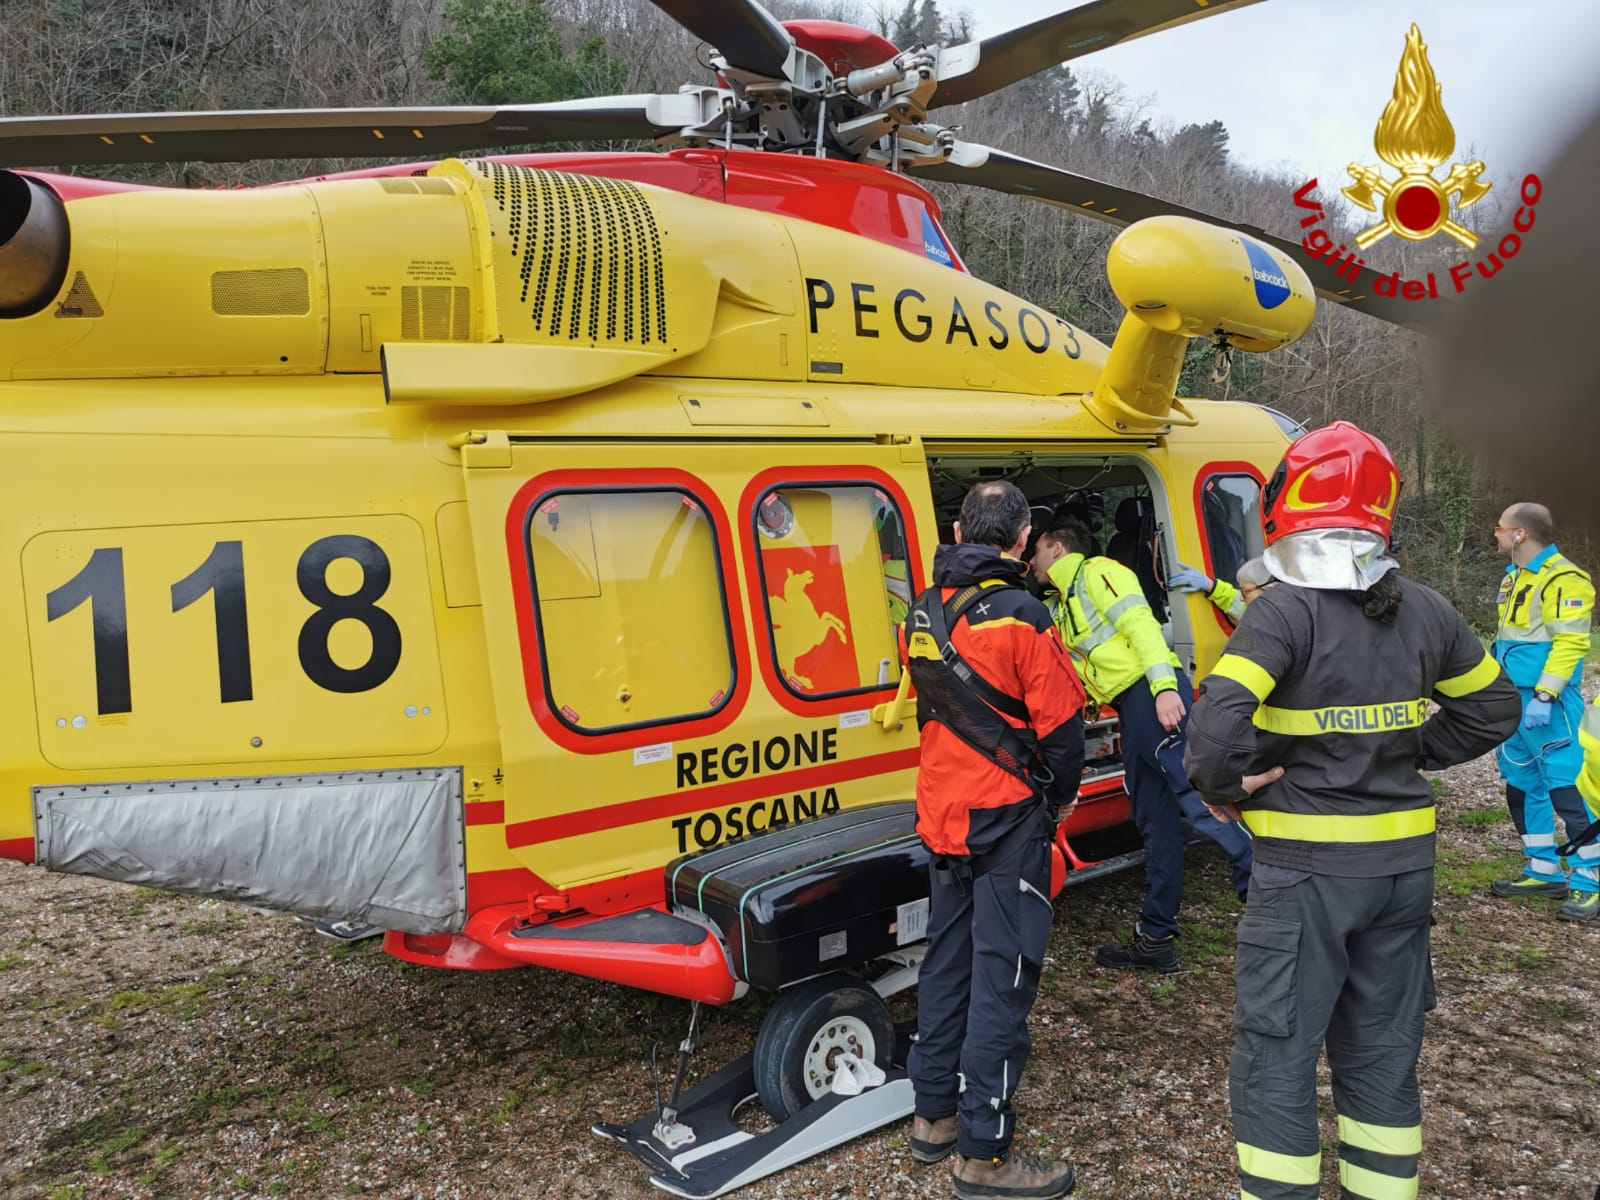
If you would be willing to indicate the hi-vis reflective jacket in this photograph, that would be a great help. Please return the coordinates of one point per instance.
(1227, 599)
(1108, 627)
(1545, 608)
(966, 803)
(1340, 701)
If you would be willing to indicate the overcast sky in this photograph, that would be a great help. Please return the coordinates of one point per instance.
(1301, 83)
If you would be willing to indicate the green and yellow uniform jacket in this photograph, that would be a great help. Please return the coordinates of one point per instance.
(1108, 628)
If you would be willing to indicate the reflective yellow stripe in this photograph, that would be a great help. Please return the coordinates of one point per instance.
(1372, 1185)
(1481, 676)
(1347, 718)
(1331, 827)
(1280, 1168)
(1244, 1195)
(1255, 679)
(1385, 1139)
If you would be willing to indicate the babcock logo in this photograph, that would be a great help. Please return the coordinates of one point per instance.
(1272, 288)
(933, 244)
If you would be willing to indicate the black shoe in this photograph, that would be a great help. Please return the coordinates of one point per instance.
(1144, 952)
(1555, 888)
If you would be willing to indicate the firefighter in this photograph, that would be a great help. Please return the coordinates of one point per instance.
(1118, 648)
(1229, 600)
(1328, 677)
(1545, 605)
(1001, 714)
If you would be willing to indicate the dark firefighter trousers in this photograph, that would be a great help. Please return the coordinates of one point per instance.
(988, 926)
(1324, 958)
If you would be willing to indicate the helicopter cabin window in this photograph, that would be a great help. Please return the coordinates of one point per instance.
(633, 626)
(1230, 506)
(834, 571)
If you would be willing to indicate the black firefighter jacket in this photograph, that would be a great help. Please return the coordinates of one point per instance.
(1310, 683)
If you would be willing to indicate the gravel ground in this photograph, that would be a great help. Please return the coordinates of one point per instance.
(155, 1045)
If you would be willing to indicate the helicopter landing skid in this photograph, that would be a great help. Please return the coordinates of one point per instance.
(703, 1152)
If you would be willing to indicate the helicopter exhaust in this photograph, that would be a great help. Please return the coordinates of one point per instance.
(34, 245)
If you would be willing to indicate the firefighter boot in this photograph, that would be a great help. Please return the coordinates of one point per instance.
(1018, 1174)
(933, 1141)
(1149, 953)
(1526, 885)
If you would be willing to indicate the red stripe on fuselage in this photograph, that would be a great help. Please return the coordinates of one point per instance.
(486, 812)
(20, 849)
(636, 812)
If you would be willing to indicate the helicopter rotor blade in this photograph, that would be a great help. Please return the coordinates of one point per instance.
(975, 69)
(998, 171)
(334, 133)
(743, 32)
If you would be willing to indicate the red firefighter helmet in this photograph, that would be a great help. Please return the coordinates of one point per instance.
(1338, 477)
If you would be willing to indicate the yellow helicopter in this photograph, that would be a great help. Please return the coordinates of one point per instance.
(508, 552)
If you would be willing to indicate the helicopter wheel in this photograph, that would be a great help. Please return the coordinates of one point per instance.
(804, 1033)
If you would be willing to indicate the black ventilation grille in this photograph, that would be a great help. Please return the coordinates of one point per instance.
(435, 313)
(588, 253)
(272, 292)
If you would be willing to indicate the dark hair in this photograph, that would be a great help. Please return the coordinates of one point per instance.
(1381, 601)
(994, 514)
(1073, 534)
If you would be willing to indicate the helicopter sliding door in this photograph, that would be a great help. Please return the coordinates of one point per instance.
(687, 642)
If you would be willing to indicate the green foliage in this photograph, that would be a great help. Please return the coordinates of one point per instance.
(1205, 146)
(507, 52)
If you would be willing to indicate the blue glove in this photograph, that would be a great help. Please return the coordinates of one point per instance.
(1187, 579)
(1537, 714)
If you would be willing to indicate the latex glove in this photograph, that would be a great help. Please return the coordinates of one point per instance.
(1169, 709)
(1189, 579)
(1537, 714)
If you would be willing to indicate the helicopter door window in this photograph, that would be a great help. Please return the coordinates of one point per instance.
(834, 572)
(1230, 508)
(633, 627)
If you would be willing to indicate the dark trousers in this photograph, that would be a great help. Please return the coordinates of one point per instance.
(1156, 811)
(987, 933)
(1327, 959)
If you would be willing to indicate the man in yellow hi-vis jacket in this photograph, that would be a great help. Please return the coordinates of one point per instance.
(1545, 605)
(1123, 660)
(1583, 853)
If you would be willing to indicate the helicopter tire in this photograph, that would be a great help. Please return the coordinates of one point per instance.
(804, 1031)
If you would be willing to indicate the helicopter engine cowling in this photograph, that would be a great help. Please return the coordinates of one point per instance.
(34, 245)
(1181, 278)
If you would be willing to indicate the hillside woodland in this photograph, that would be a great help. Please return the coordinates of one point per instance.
(76, 56)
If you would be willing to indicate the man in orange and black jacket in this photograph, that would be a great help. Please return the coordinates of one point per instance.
(1002, 755)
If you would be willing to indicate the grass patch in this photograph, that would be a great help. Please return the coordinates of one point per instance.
(1558, 1008)
(10, 962)
(1484, 816)
(1461, 874)
(1204, 943)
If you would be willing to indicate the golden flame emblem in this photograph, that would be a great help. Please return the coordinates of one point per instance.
(1414, 136)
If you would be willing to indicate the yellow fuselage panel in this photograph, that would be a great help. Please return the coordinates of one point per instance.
(314, 278)
(238, 620)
